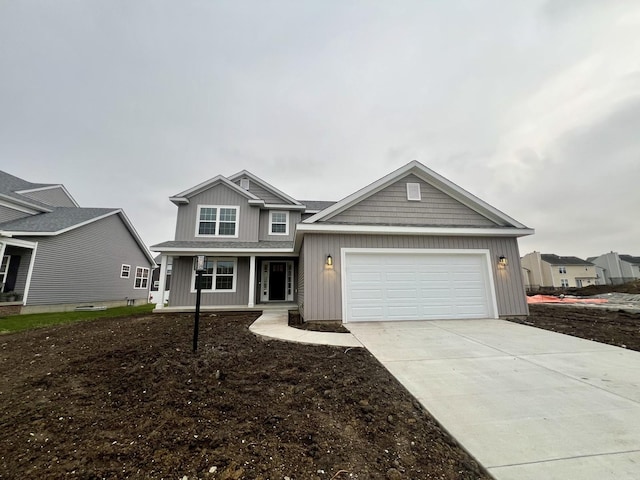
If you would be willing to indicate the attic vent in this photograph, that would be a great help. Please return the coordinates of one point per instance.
(244, 183)
(413, 191)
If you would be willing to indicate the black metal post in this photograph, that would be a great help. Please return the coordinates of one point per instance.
(196, 324)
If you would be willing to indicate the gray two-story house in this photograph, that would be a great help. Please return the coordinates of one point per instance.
(411, 245)
(57, 255)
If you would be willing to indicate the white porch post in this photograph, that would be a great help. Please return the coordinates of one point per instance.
(162, 280)
(252, 281)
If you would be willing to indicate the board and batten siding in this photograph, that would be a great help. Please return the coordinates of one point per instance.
(56, 197)
(219, 195)
(264, 234)
(83, 265)
(390, 206)
(7, 214)
(182, 278)
(263, 193)
(324, 301)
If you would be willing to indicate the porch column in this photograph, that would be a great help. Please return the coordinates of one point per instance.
(252, 281)
(3, 246)
(162, 280)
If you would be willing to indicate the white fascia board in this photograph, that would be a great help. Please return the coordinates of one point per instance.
(234, 251)
(51, 187)
(263, 184)
(428, 176)
(19, 208)
(181, 197)
(137, 237)
(273, 206)
(394, 230)
(15, 242)
(15, 201)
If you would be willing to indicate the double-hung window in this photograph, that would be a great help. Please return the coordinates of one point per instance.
(217, 221)
(278, 223)
(125, 271)
(142, 278)
(564, 282)
(562, 269)
(219, 275)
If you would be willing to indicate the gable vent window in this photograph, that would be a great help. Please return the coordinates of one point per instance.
(244, 183)
(413, 192)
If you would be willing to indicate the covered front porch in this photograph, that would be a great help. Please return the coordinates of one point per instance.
(17, 258)
(231, 281)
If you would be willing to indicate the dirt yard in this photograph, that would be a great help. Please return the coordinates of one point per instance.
(615, 327)
(127, 398)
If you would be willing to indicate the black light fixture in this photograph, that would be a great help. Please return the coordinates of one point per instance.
(329, 261)
(502, 261)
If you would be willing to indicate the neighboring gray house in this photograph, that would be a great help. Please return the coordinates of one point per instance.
(411, 245)
(547, 270)
(57, 255)
(617, 269)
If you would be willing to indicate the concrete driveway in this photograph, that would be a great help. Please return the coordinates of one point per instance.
(527, 403)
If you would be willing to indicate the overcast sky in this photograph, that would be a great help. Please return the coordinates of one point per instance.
(534, 106)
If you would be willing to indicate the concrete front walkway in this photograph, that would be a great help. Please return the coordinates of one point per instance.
(529, 404)
(275, 324)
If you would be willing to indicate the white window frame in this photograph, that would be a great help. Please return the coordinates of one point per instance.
(564, 282)
(144, 280)
(414, 192)
(272, 223)
(244, 183)
(128, 271)
(213, 289)
(562, 269)
(218, 208)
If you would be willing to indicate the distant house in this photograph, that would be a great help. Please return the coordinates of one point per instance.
(547, 270)
(58, 256)
(411, 245)
(617, 269)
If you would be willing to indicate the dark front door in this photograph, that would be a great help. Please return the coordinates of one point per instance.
(277, 280)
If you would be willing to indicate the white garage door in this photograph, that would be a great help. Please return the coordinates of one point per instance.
(417, 286)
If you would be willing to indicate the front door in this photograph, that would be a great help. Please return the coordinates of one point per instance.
(277, 281)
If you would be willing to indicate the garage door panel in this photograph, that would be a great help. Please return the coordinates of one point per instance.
(391, 286)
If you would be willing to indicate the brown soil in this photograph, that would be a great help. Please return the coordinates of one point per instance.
(615, 327)
(631, 287)
(127, 398)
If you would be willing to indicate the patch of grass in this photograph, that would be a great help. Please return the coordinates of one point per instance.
(17, 323)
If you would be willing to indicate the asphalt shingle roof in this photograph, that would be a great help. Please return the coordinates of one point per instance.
(630, 259)
(59, 219)
(9, 185)
(557, 260)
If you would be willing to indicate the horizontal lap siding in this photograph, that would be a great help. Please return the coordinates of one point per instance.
(83, 265)
(391, 207)
(324, 301)
(220, 195)
(54, 196)
(182, 276)
(7, 214)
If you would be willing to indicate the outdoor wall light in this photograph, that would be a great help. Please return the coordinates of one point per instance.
(329, 261)
(502, 261)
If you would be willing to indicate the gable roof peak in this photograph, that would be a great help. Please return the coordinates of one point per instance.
(183, 197)
(429, 176)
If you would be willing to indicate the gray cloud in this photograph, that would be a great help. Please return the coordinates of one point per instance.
(529, 105)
